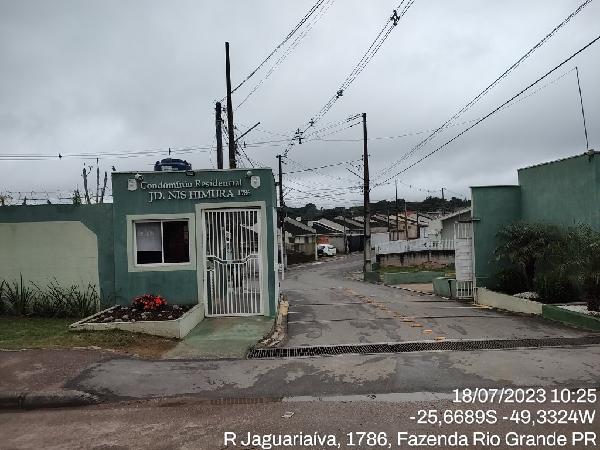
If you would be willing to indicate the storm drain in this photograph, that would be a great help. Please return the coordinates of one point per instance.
(423, 346)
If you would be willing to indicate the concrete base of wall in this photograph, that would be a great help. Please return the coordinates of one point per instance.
(579, 320)
(372, 277)
(177, 328)
(410, 277)
(430, 258)
(442, 286)
(498, 300)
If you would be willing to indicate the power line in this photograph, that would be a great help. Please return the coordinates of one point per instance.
(295, 43)
(497, 109)
(289, 35)
(376, 44)
(487, 89)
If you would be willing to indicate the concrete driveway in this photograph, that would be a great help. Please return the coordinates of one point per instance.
(329, 307)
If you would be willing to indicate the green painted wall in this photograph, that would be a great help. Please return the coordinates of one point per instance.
(493, 207)
(97, 218)
(410, 277)
(182, 286)
(565, 192)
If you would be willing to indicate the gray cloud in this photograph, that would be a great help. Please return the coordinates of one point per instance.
(120, 76)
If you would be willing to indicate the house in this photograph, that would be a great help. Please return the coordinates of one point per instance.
(194, 236)
(443, 227)
(300, 241)
(330, 232)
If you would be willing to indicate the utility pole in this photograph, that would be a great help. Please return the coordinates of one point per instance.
(397, 213)
(282, 219)
(232, 163)
(443, 201)
(218, 122)
(405, 220)
(367, 208)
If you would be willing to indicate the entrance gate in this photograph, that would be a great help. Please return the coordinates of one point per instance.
(232, 262)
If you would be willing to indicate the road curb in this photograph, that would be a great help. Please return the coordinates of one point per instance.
(45, 399)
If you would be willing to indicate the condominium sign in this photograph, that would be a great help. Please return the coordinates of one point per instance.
(193, 189)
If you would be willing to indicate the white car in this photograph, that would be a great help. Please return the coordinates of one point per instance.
(326, 249)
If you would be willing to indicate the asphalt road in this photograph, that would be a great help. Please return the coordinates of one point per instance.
(328, 307)
(189, 404)
(181, 425)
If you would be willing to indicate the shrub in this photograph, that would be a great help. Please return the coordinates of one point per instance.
(18, 297)
(556, 287)
(523, 246)
(511, 281)
(53, 300)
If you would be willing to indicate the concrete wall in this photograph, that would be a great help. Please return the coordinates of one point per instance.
(565, 192)
(72, 243)
(432, 258)
(43, 251)
(493, 208)
(507, 302)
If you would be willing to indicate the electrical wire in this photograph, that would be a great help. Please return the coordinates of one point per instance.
(484, 92)
(294, 44)
(497, 109)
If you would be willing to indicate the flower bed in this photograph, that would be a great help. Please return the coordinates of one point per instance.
(149, 314)
(137, 313)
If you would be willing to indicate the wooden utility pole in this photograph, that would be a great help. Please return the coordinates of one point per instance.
(397, 213)
(405, 220)
(367, 267)
(282, 219)
(230, 129)
(219, 135)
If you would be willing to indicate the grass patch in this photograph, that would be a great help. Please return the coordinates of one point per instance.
(35, 332)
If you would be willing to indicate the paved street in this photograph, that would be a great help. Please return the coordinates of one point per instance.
(333, 309)
(192, 403)
(192, 425)
(327, 307)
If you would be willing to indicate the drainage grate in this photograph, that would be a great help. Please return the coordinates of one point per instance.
(423, 346)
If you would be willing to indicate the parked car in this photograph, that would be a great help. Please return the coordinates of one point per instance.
(326, 250)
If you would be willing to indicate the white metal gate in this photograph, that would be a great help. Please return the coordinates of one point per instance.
(463, 259)
(232, 262)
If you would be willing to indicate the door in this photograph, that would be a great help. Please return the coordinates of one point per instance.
(232, 261)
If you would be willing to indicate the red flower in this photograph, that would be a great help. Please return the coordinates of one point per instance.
(150, 302)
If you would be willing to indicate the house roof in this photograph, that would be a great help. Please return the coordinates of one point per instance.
(324, 229)
(297, 228)
(458, 212)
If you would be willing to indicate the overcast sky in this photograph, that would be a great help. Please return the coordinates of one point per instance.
(132, 76)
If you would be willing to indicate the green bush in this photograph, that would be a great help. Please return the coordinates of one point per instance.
(555, 287)
(53, 300)
(561, 264)
(511, 281)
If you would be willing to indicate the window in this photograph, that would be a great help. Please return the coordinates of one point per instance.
(162, 242)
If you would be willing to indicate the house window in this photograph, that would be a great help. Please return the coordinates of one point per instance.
(162, 242)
